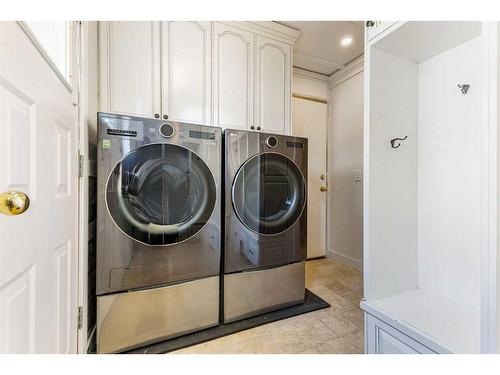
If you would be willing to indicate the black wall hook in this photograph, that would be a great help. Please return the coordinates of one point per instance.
(396, 145)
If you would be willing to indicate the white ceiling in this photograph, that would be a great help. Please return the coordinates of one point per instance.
(318, 48)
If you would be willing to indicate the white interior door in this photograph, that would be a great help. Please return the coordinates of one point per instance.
(310, 120)
(38, 248)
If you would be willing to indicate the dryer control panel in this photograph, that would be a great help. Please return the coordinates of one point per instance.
(122, 128)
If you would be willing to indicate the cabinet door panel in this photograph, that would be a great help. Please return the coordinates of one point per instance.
(381, 338)
(186, 63)
(130, 67)
(273, 95)
(233, 77)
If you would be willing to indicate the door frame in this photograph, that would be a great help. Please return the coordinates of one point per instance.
(83, 184)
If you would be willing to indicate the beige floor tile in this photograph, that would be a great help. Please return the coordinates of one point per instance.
(348, 344)
(310, 351)
(356, 316)
(336, 322)
(258, 345)
(337, 302)
(301, 332)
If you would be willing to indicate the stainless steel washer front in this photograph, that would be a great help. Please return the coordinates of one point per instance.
(158, 214)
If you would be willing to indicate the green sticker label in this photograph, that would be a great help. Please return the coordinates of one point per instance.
(106, 143)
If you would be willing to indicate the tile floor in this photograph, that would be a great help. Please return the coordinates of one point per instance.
(338, 329)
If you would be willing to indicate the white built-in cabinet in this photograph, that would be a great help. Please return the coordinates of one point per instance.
(272, 85)
(233, 77)
(227, 74)
(186, 71)
(130, 80)
(430, 200)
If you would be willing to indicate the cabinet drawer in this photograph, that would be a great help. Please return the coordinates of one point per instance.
(381, 338)
(377, 28)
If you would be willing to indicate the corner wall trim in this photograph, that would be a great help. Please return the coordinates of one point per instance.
(350, 70)
(345, 259)
(311, 75)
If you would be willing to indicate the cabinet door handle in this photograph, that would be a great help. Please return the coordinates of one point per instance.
(369, 23)
(165, 117)
(157, 115)
(258, 127)
(252, 127)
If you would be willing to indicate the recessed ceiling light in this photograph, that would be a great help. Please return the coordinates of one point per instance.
(346, 41)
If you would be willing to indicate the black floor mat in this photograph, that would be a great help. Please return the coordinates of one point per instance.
(312, 303)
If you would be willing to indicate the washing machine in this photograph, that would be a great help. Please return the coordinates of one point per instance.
(265, 222)
(158, 230)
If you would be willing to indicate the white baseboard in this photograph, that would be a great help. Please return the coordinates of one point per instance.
(356, 263)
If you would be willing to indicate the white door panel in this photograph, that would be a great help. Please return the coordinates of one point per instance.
(38, 253)
(233, 77)
(310, 120)
(272, 99)
(186, 71)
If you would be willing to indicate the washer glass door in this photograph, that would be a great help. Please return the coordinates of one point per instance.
(161, 194)
(269, 193)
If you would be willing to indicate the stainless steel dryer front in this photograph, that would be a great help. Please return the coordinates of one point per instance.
(158, 230)
(265, 222)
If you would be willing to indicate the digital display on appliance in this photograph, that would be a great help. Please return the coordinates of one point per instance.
(201, 135)
(122, 132)
(294, 144)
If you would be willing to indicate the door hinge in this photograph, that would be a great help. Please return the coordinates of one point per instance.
(80, 317)
(81, 161)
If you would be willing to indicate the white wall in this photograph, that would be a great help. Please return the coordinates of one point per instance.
(345, 155)
(93, 82)
(308, 85)
(498, 207)
(449, 175)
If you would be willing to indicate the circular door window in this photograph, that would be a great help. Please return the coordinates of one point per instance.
(269, 193)
(161, 194)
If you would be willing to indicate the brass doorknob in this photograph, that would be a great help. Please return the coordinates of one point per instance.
(323, 188)
(13, 203)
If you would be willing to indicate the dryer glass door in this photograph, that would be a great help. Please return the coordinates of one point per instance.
(269, 193)
(161, 194)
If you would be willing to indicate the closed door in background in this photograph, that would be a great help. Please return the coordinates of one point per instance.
(310, 120)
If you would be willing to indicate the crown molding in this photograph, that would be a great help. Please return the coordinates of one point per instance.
(268, 28)
(350, 70)
(315, 63)
(311, 75)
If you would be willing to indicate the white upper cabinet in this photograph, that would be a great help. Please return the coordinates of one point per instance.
(272, 91)
(227, 74)
(186, 70)
(233, 77)
(130, 67)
